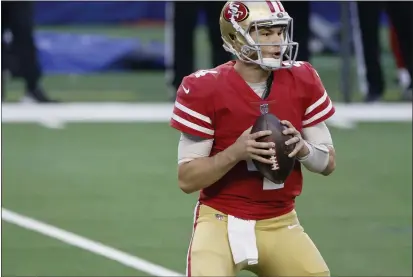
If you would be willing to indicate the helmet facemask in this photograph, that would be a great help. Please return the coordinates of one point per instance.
(251, 51)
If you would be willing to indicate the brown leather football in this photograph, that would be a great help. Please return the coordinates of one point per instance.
(282, 166)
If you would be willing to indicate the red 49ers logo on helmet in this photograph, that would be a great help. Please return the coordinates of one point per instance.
(237, 10)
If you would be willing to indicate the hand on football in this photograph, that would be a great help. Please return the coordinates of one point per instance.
(246, 147)
(300, 149)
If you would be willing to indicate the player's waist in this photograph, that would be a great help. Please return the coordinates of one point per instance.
(247, 209)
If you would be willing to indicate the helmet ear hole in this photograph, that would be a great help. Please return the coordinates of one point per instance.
(232, 37)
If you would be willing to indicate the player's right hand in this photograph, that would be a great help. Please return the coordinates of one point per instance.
(246, 147)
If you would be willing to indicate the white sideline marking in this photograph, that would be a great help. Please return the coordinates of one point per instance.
(86, 244)
(56, 115)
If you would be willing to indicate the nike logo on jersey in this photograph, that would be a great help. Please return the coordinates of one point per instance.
(185, 89)
(292, 226)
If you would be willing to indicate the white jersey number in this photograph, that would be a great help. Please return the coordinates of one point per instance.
(201, 73)
(267, 184)
(296, 64)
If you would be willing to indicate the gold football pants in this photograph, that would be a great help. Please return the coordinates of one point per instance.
(284, 249)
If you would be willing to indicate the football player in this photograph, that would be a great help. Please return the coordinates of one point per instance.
(243, 221)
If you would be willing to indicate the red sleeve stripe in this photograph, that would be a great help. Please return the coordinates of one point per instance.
(192, 112)
(191, 125)
(279, 5)
(319, 115)
(317, 103)
(270, 5)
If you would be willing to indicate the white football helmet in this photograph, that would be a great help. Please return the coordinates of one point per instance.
(238, 18)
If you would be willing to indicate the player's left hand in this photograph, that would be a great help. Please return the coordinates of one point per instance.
(300, 149)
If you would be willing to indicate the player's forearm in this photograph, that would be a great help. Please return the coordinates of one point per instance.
(331, 166)
(320, 158)
(203, 172)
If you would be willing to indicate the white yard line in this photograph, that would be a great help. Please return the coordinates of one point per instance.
(86, 244)
(161, 112)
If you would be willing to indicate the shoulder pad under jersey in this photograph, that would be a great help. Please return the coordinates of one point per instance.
(304, 72)
(198, 84)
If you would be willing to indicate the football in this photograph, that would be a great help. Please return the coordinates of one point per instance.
(282, 164)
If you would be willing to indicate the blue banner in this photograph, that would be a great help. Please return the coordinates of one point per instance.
(111, 12)
(90, 12)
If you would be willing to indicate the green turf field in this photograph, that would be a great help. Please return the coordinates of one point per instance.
(116, 183)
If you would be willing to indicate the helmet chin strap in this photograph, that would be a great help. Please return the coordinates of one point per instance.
(270, 63)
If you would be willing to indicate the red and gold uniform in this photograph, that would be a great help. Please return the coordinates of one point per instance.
(218, 104)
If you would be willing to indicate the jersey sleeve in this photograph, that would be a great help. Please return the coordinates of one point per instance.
(193, 111)
(318, 105)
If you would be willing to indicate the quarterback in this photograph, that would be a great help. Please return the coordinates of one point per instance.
(243, 221)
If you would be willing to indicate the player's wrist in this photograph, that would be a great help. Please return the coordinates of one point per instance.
(232, 154)
(317, 159)
(305, 151)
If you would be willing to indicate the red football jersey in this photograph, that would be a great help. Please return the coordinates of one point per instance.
(218, 104)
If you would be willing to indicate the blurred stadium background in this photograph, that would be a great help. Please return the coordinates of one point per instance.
(102, 164)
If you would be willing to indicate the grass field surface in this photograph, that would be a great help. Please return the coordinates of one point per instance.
(116, 184)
